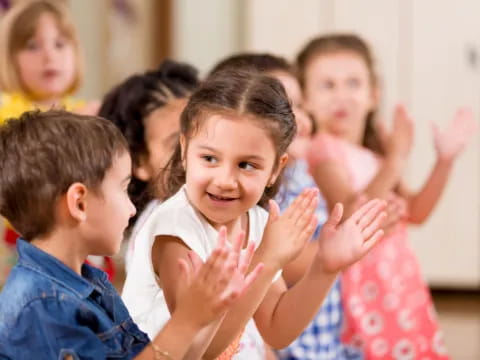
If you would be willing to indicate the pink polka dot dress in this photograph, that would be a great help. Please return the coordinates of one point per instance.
(388, 309)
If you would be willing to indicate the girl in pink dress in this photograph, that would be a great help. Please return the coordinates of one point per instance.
(388, 309)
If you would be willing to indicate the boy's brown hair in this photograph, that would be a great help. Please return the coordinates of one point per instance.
(18, 26)
(42, 154)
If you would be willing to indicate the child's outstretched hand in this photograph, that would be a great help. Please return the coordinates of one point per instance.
(452, 140)
(340, 245)
(398, 142)
(285, 235)
(212, 287)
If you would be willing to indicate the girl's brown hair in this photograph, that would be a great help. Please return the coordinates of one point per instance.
(260, 97)
(19, 25)
(335, 43)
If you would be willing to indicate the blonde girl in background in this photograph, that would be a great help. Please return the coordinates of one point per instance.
(40, 67)
(388, 308)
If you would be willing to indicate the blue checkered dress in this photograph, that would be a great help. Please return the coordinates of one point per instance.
(321, 339)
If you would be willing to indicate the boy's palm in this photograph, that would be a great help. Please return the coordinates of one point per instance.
(210, 288)
(340, 245)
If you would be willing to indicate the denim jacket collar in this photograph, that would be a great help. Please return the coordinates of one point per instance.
(36, 259)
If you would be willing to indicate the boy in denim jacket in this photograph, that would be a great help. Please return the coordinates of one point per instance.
(63, 186)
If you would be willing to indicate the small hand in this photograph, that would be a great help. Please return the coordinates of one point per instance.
(450, 142)
(340, 245)
(211, 288)
(285, 235)
(398, 142)
(397, 211)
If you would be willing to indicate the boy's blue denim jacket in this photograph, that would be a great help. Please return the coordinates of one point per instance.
(47, 311)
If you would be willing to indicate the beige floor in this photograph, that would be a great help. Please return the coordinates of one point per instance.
(459, 316)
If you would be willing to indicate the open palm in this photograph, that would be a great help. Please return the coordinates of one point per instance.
(340, 245)
(452, 140)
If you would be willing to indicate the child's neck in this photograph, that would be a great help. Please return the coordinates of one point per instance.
(64, 248)
(47, 103)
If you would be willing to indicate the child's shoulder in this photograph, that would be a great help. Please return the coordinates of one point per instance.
(28, 291)
(176, 208)
(174, 217)
(13, 105)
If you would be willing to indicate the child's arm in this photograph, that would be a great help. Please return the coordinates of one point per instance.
(334, 181)
(284, 314)
(288, 234)
(210, 289)
(448, 145)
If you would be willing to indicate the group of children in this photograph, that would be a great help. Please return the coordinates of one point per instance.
(262, 209)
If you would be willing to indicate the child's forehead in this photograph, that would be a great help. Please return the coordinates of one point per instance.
(46, 17)
(228, 120)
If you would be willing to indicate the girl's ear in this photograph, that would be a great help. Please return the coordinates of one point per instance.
(281, 164)
(183, 148)
(76, 198)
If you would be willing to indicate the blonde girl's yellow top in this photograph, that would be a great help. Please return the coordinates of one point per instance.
(14, 105)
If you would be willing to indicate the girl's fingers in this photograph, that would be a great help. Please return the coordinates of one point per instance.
(371, 214)
(375, 225)
(185, 271)
(212, 268)
(357, 215)
(237, 243)
(307, 213)
(227, 299)
(252, 276)
(335, 216)
(222, 237)
(295, 203)
(246, 258)
(216, 259)
(273, 211)
(370, 243)
(304, 206)
(195, 262)
(307, 231)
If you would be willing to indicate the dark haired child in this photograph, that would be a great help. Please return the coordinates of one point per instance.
(234, 134)
(146, 109)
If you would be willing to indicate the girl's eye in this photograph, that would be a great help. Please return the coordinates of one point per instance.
(246, 166)
(31, 45)
(326, 85)
(353, 83)
(209, 158)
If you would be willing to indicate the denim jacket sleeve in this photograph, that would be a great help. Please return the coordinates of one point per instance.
(46, 328)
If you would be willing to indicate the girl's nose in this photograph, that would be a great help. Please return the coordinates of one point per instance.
(225, 179)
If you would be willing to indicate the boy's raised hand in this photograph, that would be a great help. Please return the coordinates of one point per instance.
(340, 245)
(212, 287)
(452, 140)
(286, 234)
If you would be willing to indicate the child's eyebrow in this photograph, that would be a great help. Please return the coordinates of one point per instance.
(242, 156)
